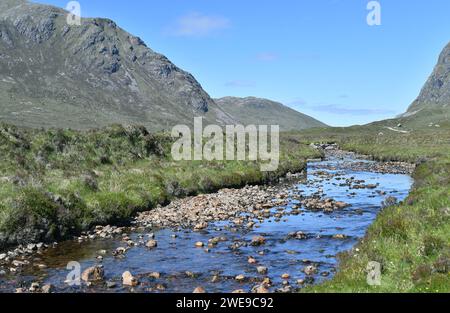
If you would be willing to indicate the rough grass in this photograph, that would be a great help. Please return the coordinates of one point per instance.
(57, 183)
(410, 240)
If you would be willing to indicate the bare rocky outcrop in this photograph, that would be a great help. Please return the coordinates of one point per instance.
(431, 109)
(436, 91)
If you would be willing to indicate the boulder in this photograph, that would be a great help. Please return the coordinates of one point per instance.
(151, 244)
(258, 241)
(129, 280)
(199, 290)
(95, 273)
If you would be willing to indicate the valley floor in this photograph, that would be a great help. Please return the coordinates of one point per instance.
(58, 183)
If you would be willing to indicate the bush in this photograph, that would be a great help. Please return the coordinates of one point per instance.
(432, 245)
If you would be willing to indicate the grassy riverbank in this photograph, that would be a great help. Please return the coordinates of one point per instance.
(411, 240)
(57, 183)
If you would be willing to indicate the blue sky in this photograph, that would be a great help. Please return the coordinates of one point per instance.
(317, 56)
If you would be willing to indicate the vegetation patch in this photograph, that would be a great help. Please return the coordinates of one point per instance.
(56, 183)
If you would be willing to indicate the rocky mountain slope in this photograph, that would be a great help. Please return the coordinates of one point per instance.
(432, 106)
(249, 111)
(436, 92)
(54, 74)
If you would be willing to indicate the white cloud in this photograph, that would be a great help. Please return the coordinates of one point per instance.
(198, 25)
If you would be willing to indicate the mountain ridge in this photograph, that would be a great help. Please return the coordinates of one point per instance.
(253, 110)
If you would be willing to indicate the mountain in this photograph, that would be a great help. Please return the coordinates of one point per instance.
(251, 110)
(432, 106)
(53, 74)
(56, 75)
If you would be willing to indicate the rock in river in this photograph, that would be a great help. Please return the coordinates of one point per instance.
(258, 241)
(260, 289)
(262, 270)
(129, 280)
(151, 244)
(240, 278)
(252, 260)
(310, 270)
(47, 288)
(95, 273)
(199, 290)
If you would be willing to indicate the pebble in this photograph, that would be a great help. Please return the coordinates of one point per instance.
(160, 287)
(47, 288)
(155, 275)
(34, 287)
(260, 289)
(200, 226)
(199, 290)
(120, 251)
(252, 260)
(298, 235)
(129, 280)
(94, 273)
(310, 270)
(215, 279)
(258, 241)
(262, 270)
(240, 278)
(151, 244)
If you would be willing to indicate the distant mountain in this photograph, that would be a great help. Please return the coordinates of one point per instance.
(56, 75)
(432, 106)
(248, 111)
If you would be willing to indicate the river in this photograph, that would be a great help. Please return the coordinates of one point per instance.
(178, 265)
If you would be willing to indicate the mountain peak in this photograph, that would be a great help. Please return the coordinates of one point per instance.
(436, 92)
